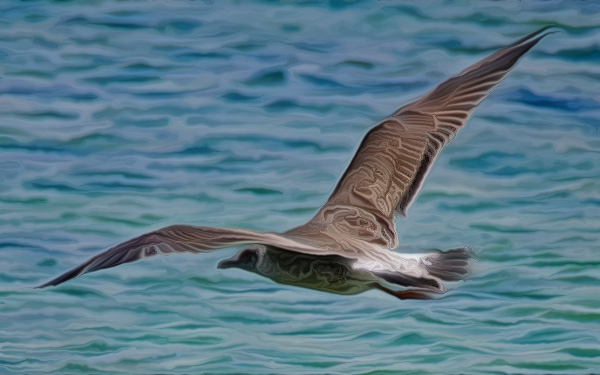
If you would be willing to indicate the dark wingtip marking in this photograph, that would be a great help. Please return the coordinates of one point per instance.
(535, 33)
(71, 274)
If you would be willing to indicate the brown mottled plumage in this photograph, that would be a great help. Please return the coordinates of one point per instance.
(345, 248)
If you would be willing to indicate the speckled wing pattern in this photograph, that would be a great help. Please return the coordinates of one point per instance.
(178, 239)
(395, 156)
(384, 177)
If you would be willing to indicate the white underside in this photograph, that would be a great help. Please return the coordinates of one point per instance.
(393, 262)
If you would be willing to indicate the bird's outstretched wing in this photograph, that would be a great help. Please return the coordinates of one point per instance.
(178, 239)
(395, 156)
(384, 177)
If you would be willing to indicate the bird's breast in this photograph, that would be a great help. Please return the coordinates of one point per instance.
(326, 273)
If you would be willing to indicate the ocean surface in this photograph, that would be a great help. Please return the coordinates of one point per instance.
(120, 117)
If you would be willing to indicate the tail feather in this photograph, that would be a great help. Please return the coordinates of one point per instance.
(452, 265)
(412, 281)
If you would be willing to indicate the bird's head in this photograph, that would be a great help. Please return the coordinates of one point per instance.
(246, 259)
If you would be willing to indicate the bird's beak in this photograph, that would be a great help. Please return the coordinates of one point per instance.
(227, 263)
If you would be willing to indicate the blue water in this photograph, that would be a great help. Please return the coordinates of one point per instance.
(117, 118)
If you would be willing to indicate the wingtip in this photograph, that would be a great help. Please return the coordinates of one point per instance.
(530, 37)
(47, 284)
(70, 274)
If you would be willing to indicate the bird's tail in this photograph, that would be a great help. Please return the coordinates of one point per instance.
(452, 265)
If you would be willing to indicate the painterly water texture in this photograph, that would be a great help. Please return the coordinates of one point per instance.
(117, 118)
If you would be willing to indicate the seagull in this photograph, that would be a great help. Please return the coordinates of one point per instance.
(347, 247)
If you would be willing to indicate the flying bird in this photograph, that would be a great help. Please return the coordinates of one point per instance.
(347, 247)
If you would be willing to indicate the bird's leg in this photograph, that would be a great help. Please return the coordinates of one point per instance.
(404, 294)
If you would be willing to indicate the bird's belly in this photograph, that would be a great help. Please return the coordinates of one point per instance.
(325, 273)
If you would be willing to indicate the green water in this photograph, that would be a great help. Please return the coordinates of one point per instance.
(117, 118)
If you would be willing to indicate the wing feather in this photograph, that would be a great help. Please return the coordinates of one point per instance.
(395, 156)
(178, 239)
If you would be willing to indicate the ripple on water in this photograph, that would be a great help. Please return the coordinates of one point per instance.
(118, 120)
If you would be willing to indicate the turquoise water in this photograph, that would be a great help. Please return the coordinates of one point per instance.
(117, 118)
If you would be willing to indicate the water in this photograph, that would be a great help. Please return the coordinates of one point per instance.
(122, 117)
